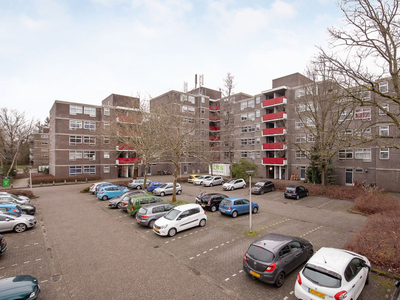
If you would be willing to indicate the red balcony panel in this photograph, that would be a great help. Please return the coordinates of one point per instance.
(274, 146)
(215, 138)
(275, 116)
(215, 128)
(124, 147)
(214, 148)
(215, 107)
(274, 131)
(274, 102)
(215, 118)
(127, 160)
(274, 161)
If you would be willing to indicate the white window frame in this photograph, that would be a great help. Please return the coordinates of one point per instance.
(243, 154)
(88, 154)
(74, 155)
(250, 103)
(243, 117)
(345, 154)
(384, 87)
(106, 111)
(384, 130)
(251, 116)
(386, 107)
(75, 124)
(298, 124)
(75, 140)
(76, 169)
(362, 153)
(106, 154)
(75, 109)
(243, 105)
(89, 125)
(106, 140)
(91, 140)
(384, 153)
(106, 169)
(89, 110)
(299, 93)
(362, 113)
(310, 138)
(89, 170)
(192, 99)
(299, 155)
(258, 114)
(301, 138)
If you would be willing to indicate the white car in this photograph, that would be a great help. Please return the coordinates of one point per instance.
(200, 180)
(332, 274)
(167, 189)
(234, 184)
(214, 180)
(180, 218)
(93, 187)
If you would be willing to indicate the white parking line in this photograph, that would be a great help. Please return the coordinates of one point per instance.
(311, 231)
(325, 204)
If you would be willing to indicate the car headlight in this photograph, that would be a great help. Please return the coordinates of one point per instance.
(163, 227)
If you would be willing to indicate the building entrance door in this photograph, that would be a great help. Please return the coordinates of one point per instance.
(302, 173)
(349, 176)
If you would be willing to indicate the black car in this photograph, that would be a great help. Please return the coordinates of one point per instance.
(296, 191)
(263, 186)
(271, 258)
(210, 201)
(3, 245)
(28, 209)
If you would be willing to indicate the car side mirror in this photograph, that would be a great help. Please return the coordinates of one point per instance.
(179, 218)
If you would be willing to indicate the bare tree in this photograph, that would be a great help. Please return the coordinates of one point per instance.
(15, 130)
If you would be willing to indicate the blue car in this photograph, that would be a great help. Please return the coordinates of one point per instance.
(153, 185)
(10, 208)
(19, 287)
(111, 191)
(235, 206)
(104, 184)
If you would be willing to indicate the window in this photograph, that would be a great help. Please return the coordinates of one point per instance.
(106, 111)
(243, 154)
(203, 121)
(251, 128)
(75, 139)
(362, 153)
(75, 124)
(244, 117)
(346, 154)
(45, 156)
(91, 140)
(106, 125)
(45, 143)
(385, 106)
(73, 155)
(91, 155)
(384, 87)
(310, 122)
(106, 140)
(89, 125)
(191, 110)
(251, 154)
(258, 100)
(310, 138)
(44, 136)
(345, 115)
(243, 105)
(300, 107)
(243, 142)
(202, 132)
(91, 111)
(75, 109)
(251, 141)
(251, 116)
(183, 97)
(106, 169)
(74, 170)
(284, 251)
(258, 127)
(106, 154)
(244, 129)
(363, 114)
(300, 155)
(258, 154)
(257, 113)
(250, 103)
(299, 93)
(301, 138)
(365, 95)
(384, 130)
(203, 110)
(89, 169)
(298, 124)
(384, 153)
(203, 100)
(191, 99)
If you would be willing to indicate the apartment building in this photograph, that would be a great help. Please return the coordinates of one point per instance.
(39, 148)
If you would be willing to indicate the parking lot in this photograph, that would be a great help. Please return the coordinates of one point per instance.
(80, 249)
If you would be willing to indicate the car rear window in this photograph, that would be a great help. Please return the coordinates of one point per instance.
(322, 277)
(142, 211)
(290, 189)
(225, 202)
(260, 254)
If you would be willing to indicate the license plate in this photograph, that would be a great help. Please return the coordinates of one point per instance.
(203, 205)
(222, 210)
(311, 291)
(138, 221)
(290, 195)
(255, 274)
(156, 229)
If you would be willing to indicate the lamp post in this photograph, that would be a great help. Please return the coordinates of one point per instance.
(250, 172)
(30, 177)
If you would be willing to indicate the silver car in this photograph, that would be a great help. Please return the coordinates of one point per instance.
(138, 184)
(214, 180)
(149, 213)
(18, 198)
(9, 222)
(167, 189)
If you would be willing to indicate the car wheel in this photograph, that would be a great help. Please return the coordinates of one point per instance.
(20, 227)
(255, 210)
(104, 198)
(234, 214)
(162, 194)
(151, 223)
(297, 197)
(307, 194)
(244, 186)
(213, 208)
(172, 232)
(280, 279)
(211, 184)
(262, 192)
(231, 188)
(138, 187)
(119, 205)
(179, 192)
(202, 222)
(367, 280)
(272, 189)
(310, 254)
(285, 197)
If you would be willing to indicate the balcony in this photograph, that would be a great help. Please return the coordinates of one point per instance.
(214, 148)
(215, 138)
(276, 161)
(124, 147)
(274, 146)
(274, 131)
(274, 102)
(275, 116)
(127, 160)
(215, 118)
(215, 128)
(214, 107)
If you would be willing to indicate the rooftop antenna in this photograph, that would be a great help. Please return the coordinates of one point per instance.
(201, 80)
(195, 81)
(185, 86)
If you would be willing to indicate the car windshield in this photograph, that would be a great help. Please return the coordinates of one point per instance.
(322, 277)
(260, 254)
(172, 214)
(260, 183)
(10, 215)
(231, 181)
(225, 202)
(290, 189)
(163, 185)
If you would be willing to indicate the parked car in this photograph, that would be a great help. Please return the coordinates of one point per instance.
(111, 191)
(210, 201)
(3, 244)
(115, 202)
(234, 184)
(180, 218)
(214, 180)
(93, 187)
(271, 258)
(101, 185)
(10, 208)
(396, 292)
(199, 180)
(153, 185)
(135, 202)
(25, 208)
(9, 222)
(138, 184)
(19, 287)
(192, 177)
(262, 187)
(167, 189)
(295, 192)
(149, 213)
(333, 274)
(23, 199)
(235, 206)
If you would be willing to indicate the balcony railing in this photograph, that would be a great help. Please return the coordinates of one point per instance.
(215, 118)
(277, 161)
(215, 128)
(214, 107)
(127, 160)
(215, 148)
(274, 146)
(215, 138)
(274, 131)
(275, 116)
(124, 147)
(274, 102)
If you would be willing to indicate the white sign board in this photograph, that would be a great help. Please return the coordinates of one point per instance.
(220, 169)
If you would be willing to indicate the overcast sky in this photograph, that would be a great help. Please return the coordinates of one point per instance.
(84, 50)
